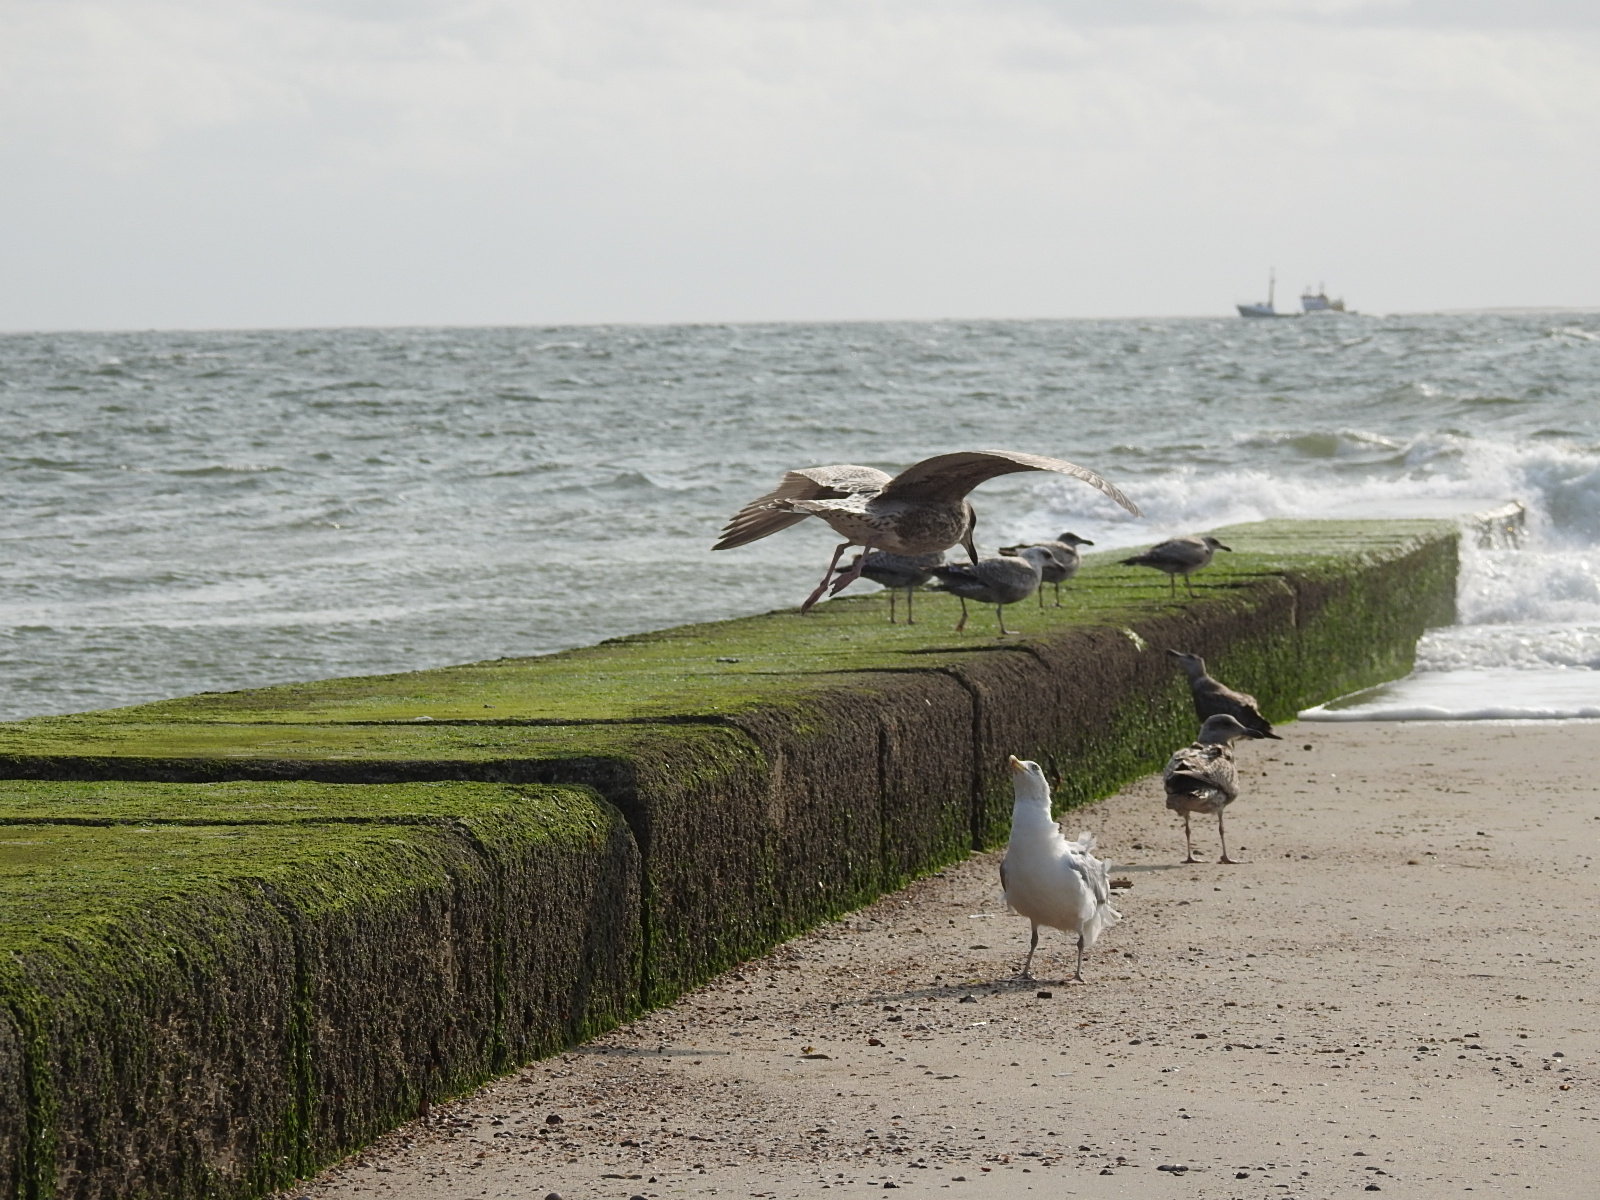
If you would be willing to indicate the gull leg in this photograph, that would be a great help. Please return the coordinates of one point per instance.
(1223, 835)
(1058, 595)
(1172, 583)
(1041, 594)
(910, 592)
(1188, 842)
(1189, 583)
(962, 624)
(1033, 945)
(853, 574)
(823, 586)
(891, 605)
(1000, 615)
(1078, 971)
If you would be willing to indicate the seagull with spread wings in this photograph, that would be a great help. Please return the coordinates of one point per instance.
(922, 510)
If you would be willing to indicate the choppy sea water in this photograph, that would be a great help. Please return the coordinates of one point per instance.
(192, 511)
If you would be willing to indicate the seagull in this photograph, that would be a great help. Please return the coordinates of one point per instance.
(1180, 556)
(919, 511)
(1201, 776)
(1048, 879)
(1064, 550)
(996, 581)
(1211, 696)
(896, 571)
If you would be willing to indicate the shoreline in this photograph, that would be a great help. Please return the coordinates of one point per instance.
(1411, 885)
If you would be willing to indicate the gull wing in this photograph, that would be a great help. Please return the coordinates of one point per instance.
(762, 516)
(949, 477)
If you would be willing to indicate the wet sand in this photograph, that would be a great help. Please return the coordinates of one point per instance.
(1396, 993)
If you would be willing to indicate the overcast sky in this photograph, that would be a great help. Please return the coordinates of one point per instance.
(227, 163)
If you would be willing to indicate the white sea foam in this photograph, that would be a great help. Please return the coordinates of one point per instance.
(1529, 631)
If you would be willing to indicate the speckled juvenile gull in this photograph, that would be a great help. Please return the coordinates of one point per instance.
(922, 510)
(1064, 565)
(1202, 778)
(1213, 697)
(1179, 556)
(896, 571)
(996, 581)
(1048, 879)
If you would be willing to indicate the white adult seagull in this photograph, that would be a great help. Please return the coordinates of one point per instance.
(1048, 879)
(922, 510)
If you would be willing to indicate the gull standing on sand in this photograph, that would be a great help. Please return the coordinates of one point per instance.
(996, 581)
(1212, 696)
(1048, 879)
(919, 511)
(1064, 564)
(1180, 556)
(896, 571)
(1201, 777)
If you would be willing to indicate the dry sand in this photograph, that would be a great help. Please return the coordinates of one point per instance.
(1397, 993)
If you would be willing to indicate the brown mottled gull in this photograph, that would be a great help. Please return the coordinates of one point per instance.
(922, 510)
(1201, 777)
(1212, 696)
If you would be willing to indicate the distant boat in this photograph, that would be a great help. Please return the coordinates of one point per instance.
(1318, 301)
(1267, 309)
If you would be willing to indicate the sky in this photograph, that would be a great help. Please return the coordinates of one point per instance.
(252, 163)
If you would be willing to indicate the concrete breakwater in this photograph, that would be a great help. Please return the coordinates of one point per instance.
(244, 933)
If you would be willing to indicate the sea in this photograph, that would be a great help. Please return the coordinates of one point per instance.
(216, 510)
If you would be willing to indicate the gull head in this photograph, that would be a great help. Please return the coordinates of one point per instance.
(1223, 730)
(1193, 665)
(1216, 545)
(1027, 777)
(1072, 539)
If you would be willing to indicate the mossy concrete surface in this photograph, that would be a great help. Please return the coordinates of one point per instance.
(771, 771)
(210, 990)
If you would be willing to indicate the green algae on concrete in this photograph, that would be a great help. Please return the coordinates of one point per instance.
(772, 771)
(221, 987)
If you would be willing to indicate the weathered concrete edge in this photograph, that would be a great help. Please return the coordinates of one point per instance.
(233, 1035)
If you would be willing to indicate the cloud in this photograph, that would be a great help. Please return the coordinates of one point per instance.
(832, 148)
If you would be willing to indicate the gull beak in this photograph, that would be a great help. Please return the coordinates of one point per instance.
(1015, 763)
(1220, 546)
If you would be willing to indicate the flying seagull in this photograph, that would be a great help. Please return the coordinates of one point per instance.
(1180, 556)
(1201, 777)
(1212, 696)
(1064, 551)
(1048, 879)
(922, 510)
(896, 571)
(996, 581)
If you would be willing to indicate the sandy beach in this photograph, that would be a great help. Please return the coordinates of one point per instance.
(1396, 993)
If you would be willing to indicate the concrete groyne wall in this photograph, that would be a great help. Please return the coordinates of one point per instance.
(241, 934)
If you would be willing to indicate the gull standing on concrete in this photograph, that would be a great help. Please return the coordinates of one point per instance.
(1201, 777)
(919, 511)
(896, 571)
(1180, 556)
(1048, 879)
(1064, 565)
(996, 581)
(1212, 696)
